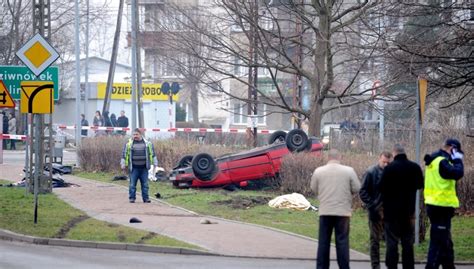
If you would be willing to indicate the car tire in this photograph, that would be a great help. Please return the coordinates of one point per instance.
(297, 140)
(203, 166)
(277, 136)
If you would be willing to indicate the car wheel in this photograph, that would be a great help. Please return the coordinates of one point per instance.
(297, 140)
(203, 166)
(278, 136)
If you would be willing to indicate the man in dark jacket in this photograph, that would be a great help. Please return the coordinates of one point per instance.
(84, 122)
(443, 169)
(370, 194)
(400, 181)
(122, 121)
(4, 129)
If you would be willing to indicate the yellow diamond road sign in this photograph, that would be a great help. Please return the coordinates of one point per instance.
(37, 54)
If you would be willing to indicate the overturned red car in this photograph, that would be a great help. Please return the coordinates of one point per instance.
(202, 170)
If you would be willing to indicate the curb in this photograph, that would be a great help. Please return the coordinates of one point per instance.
(14, 237)
(11, 236)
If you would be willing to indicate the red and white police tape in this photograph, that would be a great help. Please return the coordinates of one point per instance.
(14, 137)
(165, 130)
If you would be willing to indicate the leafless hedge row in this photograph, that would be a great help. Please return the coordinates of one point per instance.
(104, 153)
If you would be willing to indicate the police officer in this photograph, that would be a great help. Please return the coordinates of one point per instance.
(443, 169)
(137, 156)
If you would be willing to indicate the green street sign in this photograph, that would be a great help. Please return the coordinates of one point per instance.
(12, 76)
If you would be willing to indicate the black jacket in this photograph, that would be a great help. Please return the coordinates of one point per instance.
(400, 180)
(122, 121)
(370, 190)
(5, 124)
(448, 168)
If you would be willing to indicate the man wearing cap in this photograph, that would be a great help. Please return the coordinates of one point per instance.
(443, 169)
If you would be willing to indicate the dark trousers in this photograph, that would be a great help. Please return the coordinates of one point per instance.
(376, 234)
(441, 250)
(12, 144)
(400, 230)
(341, 227)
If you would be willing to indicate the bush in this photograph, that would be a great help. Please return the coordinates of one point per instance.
(296, 170)
(101, 153)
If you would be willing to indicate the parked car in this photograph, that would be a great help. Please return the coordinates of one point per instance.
(202, 170)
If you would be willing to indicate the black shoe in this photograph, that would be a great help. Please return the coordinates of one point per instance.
(132, 201)
(147, 201)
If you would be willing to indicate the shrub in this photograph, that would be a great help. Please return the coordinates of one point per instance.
(101, 153)
(296, 170)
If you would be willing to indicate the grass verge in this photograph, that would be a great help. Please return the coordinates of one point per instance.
(250, 206)
(57, 219)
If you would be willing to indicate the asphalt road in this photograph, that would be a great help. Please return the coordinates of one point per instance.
(14, 255)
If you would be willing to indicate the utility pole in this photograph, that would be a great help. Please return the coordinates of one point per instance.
(139, 70)
(113, 60)
(78, 77)
(253, 75)
(134, 65)
(255, 72)
(34, 166)
(86, 75)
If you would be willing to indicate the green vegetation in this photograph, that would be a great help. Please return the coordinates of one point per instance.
(59, 220)
(241, 206)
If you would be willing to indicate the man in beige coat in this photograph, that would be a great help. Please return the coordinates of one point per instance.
(334, 184)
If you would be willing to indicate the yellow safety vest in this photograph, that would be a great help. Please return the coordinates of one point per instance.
(439, 191)
(129, 150)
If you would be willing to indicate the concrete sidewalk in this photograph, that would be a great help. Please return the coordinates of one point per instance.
(109, 202)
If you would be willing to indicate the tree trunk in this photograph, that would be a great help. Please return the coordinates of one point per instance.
(319, 84)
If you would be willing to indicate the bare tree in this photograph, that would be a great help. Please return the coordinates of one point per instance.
(436, 42)
(325, 51)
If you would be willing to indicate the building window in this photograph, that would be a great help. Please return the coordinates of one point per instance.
(240, 114)
(167, 69)
(239, 68)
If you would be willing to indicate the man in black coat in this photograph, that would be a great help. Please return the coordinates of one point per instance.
(122, 121)
(370, 194)
(4, 129)
(400, 181)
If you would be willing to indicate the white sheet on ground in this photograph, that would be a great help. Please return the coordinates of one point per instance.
(294, 201)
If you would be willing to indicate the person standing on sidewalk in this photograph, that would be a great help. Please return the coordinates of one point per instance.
(137, 156)
(370, 194)
(4, 129)
(400, 181)
(443, 169)
(12, 129)
(122, 121)
(334, 184)
(84, 122)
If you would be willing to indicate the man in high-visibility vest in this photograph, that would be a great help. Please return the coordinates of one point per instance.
(137, 156)
(443, 169)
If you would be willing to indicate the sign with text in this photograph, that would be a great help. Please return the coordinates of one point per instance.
(12, 76)
(123, 91)
(37, 97)
(5, 98)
